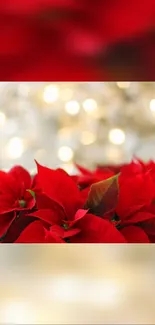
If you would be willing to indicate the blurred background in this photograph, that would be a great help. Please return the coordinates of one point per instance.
(89, 123)
(77, 284)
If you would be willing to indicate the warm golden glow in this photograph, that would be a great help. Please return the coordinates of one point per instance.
(51, 94)
(116, 136)
(65, 153)
(15, 148)
(72, 107)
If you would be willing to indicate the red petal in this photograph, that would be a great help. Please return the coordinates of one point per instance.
(79, 215)
(21, 178)
(16, 228)
(83, 170)
(60, 187)
(51, 237)
(33, 233)
(135, 234)
(135, 192)
(71, 232)
(36, 233)
(5, 222)
(139, 217)
(21, 173)
(6, 203)
(84, 194)
(97, 230)
(57, 230)
(6, 186)
(44, 202)
(49, 216)
(149, 226)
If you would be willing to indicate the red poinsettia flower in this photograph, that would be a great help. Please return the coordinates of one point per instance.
(14, 190)
(60, 206)
(85, 228)
(36, 233)
(135, 212)
(104, 200)
(136, 191)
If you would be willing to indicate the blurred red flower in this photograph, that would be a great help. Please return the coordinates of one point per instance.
(90, 34)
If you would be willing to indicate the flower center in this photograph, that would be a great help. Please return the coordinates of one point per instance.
(65, 226)
(22, 203)
(116, 220)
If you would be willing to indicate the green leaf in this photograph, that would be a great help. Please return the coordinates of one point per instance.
(32, 193)
(103, 196)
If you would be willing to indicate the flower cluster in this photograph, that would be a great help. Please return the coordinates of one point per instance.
(108, 205)
(95, 37)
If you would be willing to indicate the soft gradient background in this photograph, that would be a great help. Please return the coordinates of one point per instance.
(77, 284)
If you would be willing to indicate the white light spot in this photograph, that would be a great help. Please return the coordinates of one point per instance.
(89, 105)
(65, 153)
(152, 105)
(50, 94)
(117, 136)
(15, 148)
(72, 107)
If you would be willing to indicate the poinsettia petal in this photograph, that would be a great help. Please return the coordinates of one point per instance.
(152, 239)
(139, 217)
(22, 179)
(135, 234)
(44, 202)
(50, 216)
(6, 203)
(104, 172)
(135, 193)
(33, 233)
(51, 237)
(78, 215)
(36, 233)
(83, 170)
(71, 232)
(103, 196)
(21, 221)
(5, 222)
(149, 226)
(97, 230)
(84, 194)
(60, 187)
(21, 174)
(5, 183)
(59, 231)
